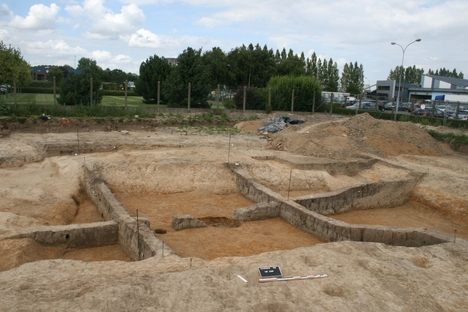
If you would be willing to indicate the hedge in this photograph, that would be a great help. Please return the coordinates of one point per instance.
(118, 93)
(38, 90)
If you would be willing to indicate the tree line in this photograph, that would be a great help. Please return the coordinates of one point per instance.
(412, 74)
(250, 66)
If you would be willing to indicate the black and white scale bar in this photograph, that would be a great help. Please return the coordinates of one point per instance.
(292, 278)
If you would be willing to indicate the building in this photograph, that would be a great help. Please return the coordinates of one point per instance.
(438, 88)
(41, 73)
(435, 88)
(387, 90)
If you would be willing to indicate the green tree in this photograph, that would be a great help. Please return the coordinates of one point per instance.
(12, 65)
(218, 67)
(304, 89)
(240, 64)
(311, 66)
(323, 73)
(152, 70)
(252, 66)
(446, 73)
(263, 66)
(75, 90)
(90, 68)
(58, 74)
(189, 69)
(290, 64)
(410, 74)
(352, 78)
(76, 87)
(333, 77)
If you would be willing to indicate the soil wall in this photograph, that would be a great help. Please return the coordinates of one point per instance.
(322, 226)
(138, 241)
(383, 194)
(75, 235)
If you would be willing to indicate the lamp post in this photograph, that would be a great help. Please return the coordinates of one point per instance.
(401, 70)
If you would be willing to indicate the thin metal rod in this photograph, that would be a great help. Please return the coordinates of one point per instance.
(401, 72)
(289, 187)
(229, 148)
(78, 139)
(138, 235)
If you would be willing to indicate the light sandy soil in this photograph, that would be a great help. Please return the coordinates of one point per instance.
(165, 172)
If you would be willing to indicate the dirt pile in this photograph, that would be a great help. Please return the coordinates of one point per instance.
(355, 136)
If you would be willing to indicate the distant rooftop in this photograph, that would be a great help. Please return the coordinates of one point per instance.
(454, 81)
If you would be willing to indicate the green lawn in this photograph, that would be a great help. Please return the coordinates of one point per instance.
(107, 100)
(29, 98)
(134, 101)
(48, 99)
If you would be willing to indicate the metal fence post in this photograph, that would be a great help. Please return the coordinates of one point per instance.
(159, 89)
(313, 104)
(55, 93)
(90, 91)
(292, 101)
(126, 84)
(244, 100)
(189, 87)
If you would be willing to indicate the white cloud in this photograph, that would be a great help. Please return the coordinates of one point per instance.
(39, 17)
(101, 22)
(236, 15)
(347, 31)
(144, 39)
(4, 11)
(143, 2)
(105, 59)
(52, 48)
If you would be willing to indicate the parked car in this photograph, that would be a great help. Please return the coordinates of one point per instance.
(364, 106)
(4, 88)
(463, 115)
(427, 111)
(381, 106)
(389, 106)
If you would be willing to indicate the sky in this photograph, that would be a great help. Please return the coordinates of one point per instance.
(122, 34)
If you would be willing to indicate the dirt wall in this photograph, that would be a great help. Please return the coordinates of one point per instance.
(322, 226)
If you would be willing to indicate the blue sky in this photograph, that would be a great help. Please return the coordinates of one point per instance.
(122, 34)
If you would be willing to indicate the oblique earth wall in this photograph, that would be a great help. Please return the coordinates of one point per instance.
(308, 213)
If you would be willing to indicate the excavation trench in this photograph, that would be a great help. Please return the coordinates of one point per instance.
(262, 215)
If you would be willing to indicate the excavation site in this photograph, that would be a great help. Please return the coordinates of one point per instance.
(130, 216)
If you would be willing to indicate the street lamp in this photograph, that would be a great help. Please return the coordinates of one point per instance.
(401, 70)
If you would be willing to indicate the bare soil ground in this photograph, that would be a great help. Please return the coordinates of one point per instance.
(163, 172)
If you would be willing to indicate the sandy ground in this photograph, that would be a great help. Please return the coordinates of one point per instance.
(166, 172)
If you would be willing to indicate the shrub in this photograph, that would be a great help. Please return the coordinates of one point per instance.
(119, 93)
(304, 88)
(253, 99)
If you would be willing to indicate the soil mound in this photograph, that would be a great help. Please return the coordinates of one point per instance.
(356, 136)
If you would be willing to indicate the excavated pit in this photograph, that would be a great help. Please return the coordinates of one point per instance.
(225, 236)
(169, 181)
